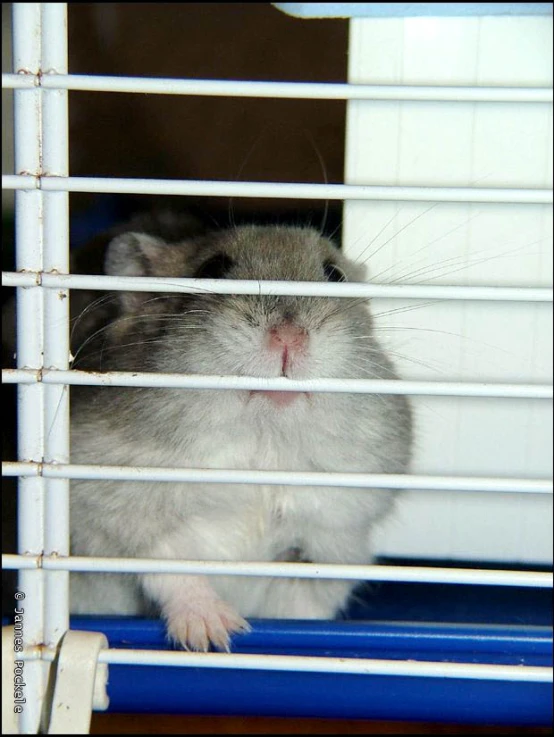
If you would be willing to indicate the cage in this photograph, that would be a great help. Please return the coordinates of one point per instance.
(448, 169)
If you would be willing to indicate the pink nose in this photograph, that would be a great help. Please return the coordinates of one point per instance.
(287, 336)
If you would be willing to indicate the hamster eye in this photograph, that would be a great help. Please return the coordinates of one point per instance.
(216, 267)
(333, 272)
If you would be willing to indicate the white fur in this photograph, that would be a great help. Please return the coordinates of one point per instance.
(237, 430)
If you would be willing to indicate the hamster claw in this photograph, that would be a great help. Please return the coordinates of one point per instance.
(195, 629)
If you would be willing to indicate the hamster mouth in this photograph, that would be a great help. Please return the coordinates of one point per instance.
(279, 399)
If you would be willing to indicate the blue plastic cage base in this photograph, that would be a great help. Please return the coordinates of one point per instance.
(396, 622)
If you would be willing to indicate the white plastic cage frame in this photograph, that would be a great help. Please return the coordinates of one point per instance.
(42, 183)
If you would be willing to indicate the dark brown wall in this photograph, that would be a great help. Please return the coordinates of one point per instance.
(150, 724)
(164, 136)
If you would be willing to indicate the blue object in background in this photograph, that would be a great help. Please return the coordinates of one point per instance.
(104, 212)
(410, 10)
(464, 624)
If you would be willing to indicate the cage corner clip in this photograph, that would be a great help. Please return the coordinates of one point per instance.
(80, 683)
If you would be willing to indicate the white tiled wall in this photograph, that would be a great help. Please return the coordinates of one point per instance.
(461, 144)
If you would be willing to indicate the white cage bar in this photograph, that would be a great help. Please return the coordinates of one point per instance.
(30, 307)
(353, 386)
(41, 145)
(362, 666)
(42, 185)
(290, 90)
(417, 574)
(304, 289)
(289, 478)
(56, 313)
(286, 190)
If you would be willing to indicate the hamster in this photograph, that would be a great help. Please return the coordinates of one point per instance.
(240, 335)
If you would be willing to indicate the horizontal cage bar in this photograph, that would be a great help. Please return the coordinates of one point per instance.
(279, 190)
(277, 288)
(362, 666)
(412, 482)
(274, 90)
(405, 574)
(245, 383)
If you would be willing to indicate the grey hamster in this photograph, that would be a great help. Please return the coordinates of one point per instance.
(265, 336)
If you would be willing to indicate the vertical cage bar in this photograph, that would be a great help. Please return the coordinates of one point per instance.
(29, 211)
(56, 315)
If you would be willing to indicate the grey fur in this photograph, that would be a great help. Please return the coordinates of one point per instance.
(220, 334)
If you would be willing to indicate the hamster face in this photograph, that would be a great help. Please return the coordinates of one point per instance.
(248, 335)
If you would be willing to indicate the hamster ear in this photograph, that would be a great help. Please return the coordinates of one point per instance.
(356, 272)
(136, 254)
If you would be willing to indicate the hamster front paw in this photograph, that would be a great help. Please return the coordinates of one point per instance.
(195, 615)
(195, 624)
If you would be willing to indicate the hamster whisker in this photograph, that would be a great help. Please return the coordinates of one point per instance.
(246, 159)
(464, 261)
(411, 222)
(365, 361)
(94, 335)
(344, 306)
(120, 346)
(375, 237)
(473, 262)
(439, 266)
(340, 310)
(102, 300)
(445, 332)
(430, 243)
(325, 177)
(131, 318)
(415, 361)
(407, 308)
